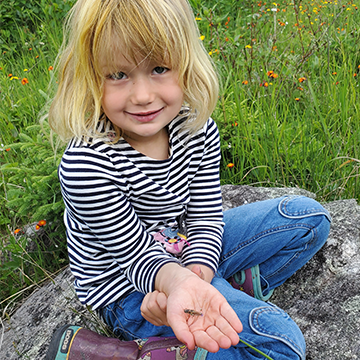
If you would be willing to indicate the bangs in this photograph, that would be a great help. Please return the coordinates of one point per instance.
(138, 31)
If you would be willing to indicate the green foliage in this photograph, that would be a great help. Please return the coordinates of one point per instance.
(288, 113)
(23, 16)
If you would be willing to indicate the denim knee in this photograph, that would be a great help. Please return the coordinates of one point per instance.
(273, 323)
(310, 212)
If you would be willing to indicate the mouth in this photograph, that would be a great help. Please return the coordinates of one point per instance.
(145, 116)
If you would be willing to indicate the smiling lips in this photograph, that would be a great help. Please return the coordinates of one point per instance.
(145, 116)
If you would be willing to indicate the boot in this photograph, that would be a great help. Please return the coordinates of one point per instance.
(249, 281)
(75, 343)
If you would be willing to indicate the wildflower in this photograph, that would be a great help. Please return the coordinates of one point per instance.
(10, 75)
(42, 222)
(210, 53)
(236, 124)
(50, 68)
(245, 82)
(230, 165)
(265, 84)
(198, 18)
(300, 88)
(334, 73)
(37, 227)
(8, 149)
(302, 79)
(226, 39)
(30, 49)
(337, 83)
(202, 37)
(1, 68)
(16, 231)
(355, 74)
(37, 56)
(24, 81)
(14, 78)
(297, 99)
(248, 47)
(271, 74)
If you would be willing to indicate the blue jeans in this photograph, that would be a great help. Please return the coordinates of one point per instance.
(280, 235)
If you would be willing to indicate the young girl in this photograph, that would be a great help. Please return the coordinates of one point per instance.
(148, 244)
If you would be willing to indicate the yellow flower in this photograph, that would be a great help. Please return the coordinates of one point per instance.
(198, 18)
(26, 70)
(14, 78)
(248, 47)
(202, 37)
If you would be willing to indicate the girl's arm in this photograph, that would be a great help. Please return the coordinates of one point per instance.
(109, 249)
(217, 326)
(204, 212)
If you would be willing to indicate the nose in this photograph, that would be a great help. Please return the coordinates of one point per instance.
(141, 91)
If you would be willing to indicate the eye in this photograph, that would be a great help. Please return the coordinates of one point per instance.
(117, 76)
(160, 70)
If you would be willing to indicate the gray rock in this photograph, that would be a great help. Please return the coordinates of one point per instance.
(323, 297)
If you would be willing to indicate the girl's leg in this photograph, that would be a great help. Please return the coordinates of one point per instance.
(265, 327)
(279, 235)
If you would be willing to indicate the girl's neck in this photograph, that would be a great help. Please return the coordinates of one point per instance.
(156, 148)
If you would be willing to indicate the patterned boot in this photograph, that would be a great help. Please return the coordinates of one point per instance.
(249, 281)
(75, 343)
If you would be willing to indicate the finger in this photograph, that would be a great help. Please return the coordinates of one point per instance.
(162, 302)
(196, 269)
(228, 313)
(181, 330)
(205, 341)
(227, 335)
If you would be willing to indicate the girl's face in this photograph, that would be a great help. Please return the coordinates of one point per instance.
(142, 100)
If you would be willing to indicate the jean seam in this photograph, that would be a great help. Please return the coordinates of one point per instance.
(257, 237)
(296, 255)
(282, 208)
(255, 314)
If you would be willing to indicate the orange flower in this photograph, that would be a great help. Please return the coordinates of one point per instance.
(297, 99)
(334, 73)
(50, 68)
(230, 165)
(300, 88)
(302, 79)
(269, 73)
(24, 81)
(37, 227)
(236, 124)
(10, 75)
(30, 49)
(42, 222)
(245, 82)
(355, 74)
(8, 149)
(17, 231)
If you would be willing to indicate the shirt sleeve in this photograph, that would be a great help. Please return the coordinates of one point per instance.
(204, 212)
(107, 229)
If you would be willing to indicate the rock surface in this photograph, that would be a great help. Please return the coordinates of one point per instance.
(323, 297)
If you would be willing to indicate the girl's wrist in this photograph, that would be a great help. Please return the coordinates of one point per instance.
(170, 276)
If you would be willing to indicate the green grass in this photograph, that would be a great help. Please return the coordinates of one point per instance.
(288, 112)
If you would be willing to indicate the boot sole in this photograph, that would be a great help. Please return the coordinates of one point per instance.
(54, 347)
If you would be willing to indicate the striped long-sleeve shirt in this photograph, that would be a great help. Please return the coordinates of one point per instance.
(116, 199)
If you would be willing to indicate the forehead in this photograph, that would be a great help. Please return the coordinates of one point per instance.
(121, 55)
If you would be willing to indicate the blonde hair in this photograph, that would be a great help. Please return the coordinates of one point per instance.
(152, 29)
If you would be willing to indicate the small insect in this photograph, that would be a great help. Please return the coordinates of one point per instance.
(192, 312)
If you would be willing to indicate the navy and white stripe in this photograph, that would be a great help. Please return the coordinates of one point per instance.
(116, 198)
